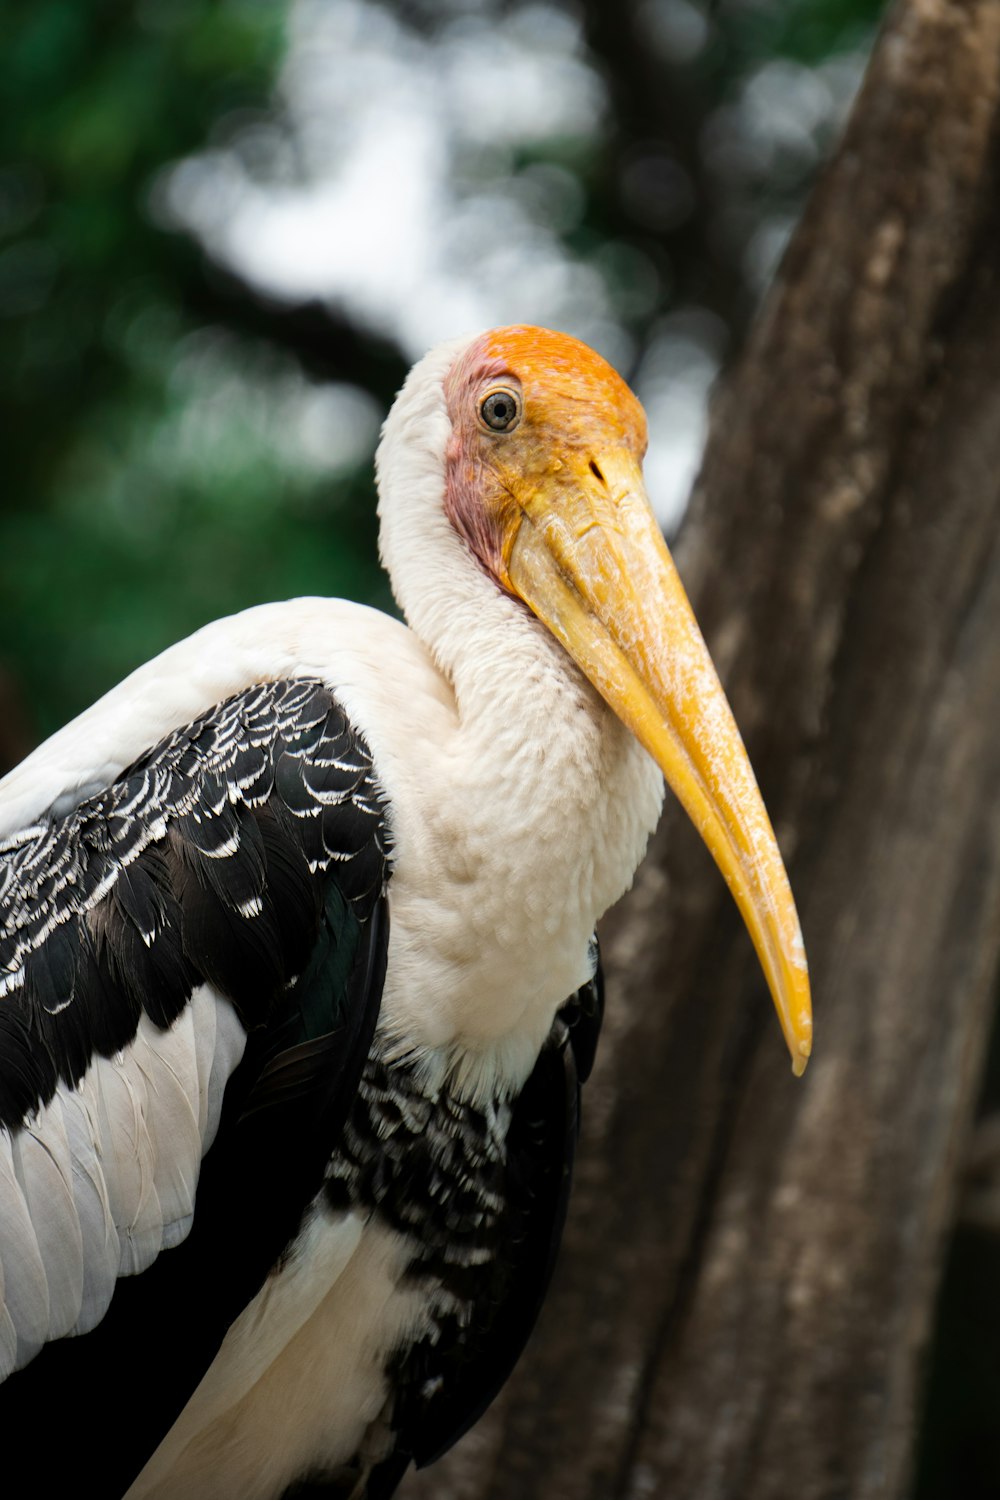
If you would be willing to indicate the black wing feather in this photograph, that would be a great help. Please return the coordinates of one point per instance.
(250, 849)
(541, 1146)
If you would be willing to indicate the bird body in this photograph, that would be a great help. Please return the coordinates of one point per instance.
(297, 978)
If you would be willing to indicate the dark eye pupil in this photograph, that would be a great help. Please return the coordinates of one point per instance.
(499, 411)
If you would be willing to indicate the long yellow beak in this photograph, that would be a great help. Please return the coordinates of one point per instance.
(589, 559)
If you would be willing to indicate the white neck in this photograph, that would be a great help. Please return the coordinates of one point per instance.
(550, 801)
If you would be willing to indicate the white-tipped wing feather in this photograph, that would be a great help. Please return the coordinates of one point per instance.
(191, 956)
(103, 1177)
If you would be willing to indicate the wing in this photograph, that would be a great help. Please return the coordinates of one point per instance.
(190, 958)
(445, 1382)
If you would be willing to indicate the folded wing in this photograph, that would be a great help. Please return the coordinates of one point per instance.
(190, 958)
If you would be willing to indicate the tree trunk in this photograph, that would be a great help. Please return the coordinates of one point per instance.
(746, 1288)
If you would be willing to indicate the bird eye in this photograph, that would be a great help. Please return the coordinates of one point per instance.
(500, 410)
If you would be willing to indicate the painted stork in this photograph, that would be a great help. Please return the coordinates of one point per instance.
(297, 975)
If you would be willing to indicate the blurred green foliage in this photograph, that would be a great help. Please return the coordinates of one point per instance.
(110, 548)
(151, 478)
(96, 98)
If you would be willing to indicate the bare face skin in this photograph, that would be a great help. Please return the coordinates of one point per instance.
(569, 405)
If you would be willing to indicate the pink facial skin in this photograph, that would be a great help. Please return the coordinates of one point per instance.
(470, 457)
(574, 408)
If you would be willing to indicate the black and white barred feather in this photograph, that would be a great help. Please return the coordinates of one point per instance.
(121, 899)
(194, 953)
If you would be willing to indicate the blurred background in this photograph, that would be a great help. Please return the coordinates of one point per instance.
(226, 231)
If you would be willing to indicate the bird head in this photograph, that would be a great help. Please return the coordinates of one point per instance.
(543, 481)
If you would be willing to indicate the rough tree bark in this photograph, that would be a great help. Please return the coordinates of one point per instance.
(746, 1288)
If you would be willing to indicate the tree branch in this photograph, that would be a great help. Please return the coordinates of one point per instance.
(324, 339)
